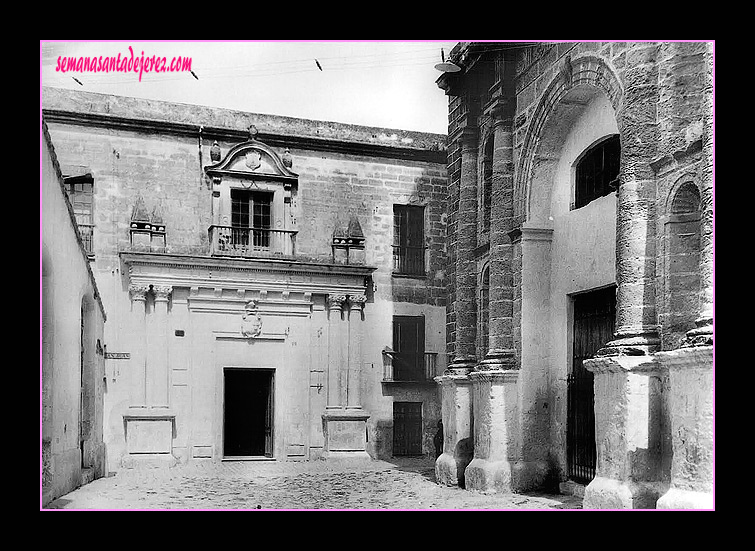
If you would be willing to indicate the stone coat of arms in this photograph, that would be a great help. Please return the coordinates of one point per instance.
(251, 325)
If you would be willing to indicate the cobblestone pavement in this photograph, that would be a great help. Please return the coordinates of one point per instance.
(400, 484)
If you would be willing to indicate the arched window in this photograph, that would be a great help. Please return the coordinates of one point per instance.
(596, 171)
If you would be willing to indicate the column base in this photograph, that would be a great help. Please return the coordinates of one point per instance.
(488, 477)
(483, 475)
(606, 493)
(685, 499)
(449, 471)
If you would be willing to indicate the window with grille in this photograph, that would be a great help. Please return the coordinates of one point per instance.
(408, 240)
(597, 171)
(251, 218)
(80, 194)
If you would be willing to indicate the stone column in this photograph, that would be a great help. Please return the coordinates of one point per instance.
(501, 353)
(623, 396)
(335, 346)
(456, 413)
(494, 383)
(636, 320)
(356, 309)
(158, 372)
(138, 342)
(466, 242)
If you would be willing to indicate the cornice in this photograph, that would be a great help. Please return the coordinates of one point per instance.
(143, 125)
(223, 273)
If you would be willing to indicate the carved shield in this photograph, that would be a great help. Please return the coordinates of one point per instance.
(253, 160)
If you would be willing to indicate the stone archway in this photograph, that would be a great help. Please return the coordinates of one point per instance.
(560, 105)
(562, 251)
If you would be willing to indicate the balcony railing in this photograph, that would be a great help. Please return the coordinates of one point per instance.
(87, 234)
(252, 242)
(409, 367)
(408, 260)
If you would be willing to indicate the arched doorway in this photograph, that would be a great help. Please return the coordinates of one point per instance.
(566, 205)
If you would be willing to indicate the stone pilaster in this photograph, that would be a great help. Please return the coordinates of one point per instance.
(456, 412)
(158, 373)
(149, 423)
(138, 356)
(356, 312)
(466, 241)
(344, 421)
(335, 349)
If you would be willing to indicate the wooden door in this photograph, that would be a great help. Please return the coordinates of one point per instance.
(407, 428)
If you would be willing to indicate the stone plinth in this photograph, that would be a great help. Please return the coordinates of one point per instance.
(149, 438)
(496, 431)
(345, 433)
(691, 404)
(629, 432)
(457, 423)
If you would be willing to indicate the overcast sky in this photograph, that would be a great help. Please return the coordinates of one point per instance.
(386, 84)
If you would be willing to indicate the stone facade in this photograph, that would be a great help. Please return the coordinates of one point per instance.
(194, 309)
(72, 344)
(522, 116)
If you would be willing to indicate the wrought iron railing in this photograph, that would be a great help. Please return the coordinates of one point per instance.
(409, 367)
(580, 433)
(408, 260)
(252, 242)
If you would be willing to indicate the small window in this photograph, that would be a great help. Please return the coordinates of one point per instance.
(597, 172)
(408, 240)
(81, 196)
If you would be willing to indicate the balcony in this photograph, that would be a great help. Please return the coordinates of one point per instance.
(416, 367)
(87, 233)
(252, 242)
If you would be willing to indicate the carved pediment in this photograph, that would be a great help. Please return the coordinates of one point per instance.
(252, 158)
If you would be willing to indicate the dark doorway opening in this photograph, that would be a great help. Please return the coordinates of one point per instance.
(407, 428)
(594, 320)
(248, 413)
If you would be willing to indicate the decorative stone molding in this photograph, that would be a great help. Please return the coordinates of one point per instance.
(357, 302)
(138, 291)
(336, 301)
(162, 292)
